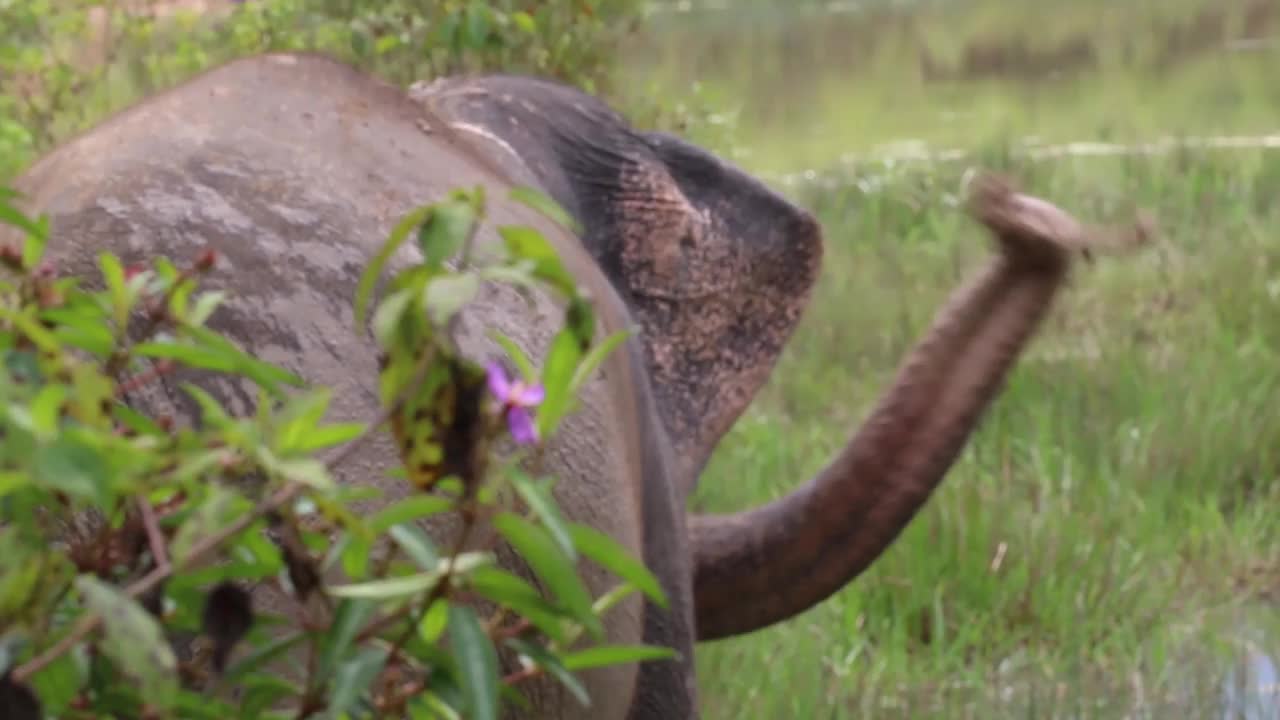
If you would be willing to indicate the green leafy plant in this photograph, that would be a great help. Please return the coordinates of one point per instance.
(64, 64)
(121, 529)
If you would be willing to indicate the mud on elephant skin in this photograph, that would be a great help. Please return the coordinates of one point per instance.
(294, 167)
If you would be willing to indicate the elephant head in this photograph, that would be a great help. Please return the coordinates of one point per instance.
(715, 266)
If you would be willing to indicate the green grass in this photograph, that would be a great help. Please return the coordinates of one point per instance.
(1127, 478)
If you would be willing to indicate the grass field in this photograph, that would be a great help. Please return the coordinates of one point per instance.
(1109, 544)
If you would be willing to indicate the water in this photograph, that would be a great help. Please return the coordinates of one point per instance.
(808, 83)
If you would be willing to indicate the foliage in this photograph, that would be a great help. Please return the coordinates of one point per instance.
(120, 528)
(65, 63)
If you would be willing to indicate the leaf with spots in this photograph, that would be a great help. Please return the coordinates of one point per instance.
(438, 428)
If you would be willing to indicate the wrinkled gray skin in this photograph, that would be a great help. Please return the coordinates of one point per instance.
(295, 167)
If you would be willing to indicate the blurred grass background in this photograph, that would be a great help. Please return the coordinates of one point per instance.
(1110, 540)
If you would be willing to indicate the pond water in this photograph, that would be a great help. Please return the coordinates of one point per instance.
(799, 91)
(806, 83)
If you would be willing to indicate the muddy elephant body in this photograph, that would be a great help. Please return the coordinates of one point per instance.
(294, 168)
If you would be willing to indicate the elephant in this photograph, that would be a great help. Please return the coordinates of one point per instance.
(294, 166)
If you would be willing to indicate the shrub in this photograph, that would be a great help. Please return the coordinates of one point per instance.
(183, 513)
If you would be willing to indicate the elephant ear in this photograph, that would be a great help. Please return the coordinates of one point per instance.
(718, 268)
(776, 246)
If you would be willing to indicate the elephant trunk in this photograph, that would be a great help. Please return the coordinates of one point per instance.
(765, 565)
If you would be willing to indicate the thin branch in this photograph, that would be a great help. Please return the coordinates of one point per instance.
(155, 539)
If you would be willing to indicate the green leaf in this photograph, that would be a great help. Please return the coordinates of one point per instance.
(612, 556)
(34, 331)
(10, 215)
(529, 244)
(205, 306)
(190, 355)
(595, 356)
(133, 640)
(34, 246)
(354, 677)
(615, 655)
(306, 470)
(445, 295)
(76, 468)
(117, 289)
(545, 660)
(261, 693)
(212, 414)
(477, 663)
(46, 410)
(347, 621)
(557, 374)
(408, 510)
(580, 319)
(387, 588)
(550, 565)
(446, 229)
(328, 436)
(260, 656)
(220, 508)
(510, 590)
(390, 587)
(60, 682)
(85, 330)
(477, 26)
(300, 417)
(540, 500)
(386, 319)
(430, 706)
(544, 204)
(368, 279)
(198, 706)
(522, 361)
(12, 481)
(524, 21)
(136, 421)
(434, 621)
(265, 374)
(415, 543)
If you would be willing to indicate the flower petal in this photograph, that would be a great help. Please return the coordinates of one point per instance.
(520, 422)
(498, 383)
(528, 395)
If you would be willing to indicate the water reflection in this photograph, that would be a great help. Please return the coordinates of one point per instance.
(1252, 692)
(811, 80)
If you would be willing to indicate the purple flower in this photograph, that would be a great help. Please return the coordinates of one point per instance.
(517, 398)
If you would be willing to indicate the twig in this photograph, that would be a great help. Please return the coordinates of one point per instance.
(154, 537)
